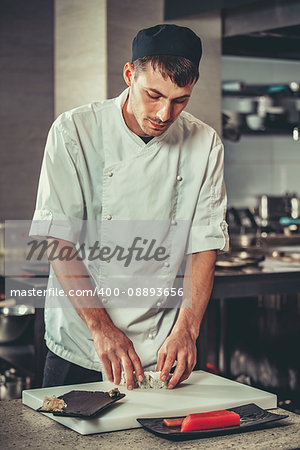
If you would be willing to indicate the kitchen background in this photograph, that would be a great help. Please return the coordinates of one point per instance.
(70, 52)
(269, 162)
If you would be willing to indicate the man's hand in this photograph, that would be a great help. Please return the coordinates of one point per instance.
(180, 346)
(114, 349)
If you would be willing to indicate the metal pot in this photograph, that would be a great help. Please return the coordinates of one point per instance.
(14, 321)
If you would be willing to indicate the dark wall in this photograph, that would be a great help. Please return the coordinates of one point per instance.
(178, 8)
(26, 100)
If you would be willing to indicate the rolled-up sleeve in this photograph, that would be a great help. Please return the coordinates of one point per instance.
(209, 230)
(60, 205)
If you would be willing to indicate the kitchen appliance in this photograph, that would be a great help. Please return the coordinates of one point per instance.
(243, 229)
(201, 392)
(14, 322)
(272, 209)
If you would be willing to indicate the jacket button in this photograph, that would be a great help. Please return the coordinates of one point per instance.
(166, 264)
(104, 301)
(108, 217)
(179, 178)
(110, 174)
(173, 222)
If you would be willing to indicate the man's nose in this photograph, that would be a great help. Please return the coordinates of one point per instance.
(164, 113)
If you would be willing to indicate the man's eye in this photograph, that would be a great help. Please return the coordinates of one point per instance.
(152, 96)
(182, 100)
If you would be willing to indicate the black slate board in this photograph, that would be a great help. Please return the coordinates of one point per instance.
(251, 416)
(84, 404)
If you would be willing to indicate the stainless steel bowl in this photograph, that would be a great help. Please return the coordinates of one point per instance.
(14, 322)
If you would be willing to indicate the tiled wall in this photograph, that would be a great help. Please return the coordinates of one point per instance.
(260, 164)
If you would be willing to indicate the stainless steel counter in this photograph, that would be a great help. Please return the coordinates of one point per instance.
(270, 277)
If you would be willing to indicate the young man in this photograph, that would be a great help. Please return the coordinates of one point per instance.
(134, 158)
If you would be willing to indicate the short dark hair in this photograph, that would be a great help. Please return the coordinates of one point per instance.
(179, 69)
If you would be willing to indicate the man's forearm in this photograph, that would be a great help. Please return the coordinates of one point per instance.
(114, 348)
(197, 287)
(74, 277)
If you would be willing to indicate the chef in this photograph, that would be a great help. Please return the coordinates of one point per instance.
(131, 173)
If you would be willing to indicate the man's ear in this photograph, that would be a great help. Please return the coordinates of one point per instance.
(128, 73)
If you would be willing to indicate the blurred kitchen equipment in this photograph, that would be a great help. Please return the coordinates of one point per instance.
(286, 221)
(241, 220)
(264, 102)
(275, 222)
(246, 106)
(14, 322)
(287, 254)
(295, 207)
(243, 228)
(264, 108)
(296, 133)
(271, 208)
(233, 86)
(274, 240)
(238, 260)
(12, 384)
(276, 117)
(290, 225)
(231, 129)
(255, 122)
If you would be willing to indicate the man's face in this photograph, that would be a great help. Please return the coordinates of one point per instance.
(154, 103)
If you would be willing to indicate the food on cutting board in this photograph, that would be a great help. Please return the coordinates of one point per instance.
(82, 404)
(113, 393)
(205, 421)
(53, 404)
(151, 381)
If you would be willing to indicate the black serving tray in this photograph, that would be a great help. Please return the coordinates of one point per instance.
(84, 404)
(251, 415)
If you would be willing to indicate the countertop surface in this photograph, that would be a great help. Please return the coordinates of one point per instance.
(268, 266)
(271, 276)
(21, 427)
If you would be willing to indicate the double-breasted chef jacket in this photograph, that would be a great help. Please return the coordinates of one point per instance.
(95, 170)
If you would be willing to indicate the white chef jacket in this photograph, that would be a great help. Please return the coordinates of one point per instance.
(96, 169)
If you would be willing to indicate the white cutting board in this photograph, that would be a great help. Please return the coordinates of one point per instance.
(201, 392)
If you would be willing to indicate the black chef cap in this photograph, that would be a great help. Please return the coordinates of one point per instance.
(167, 40)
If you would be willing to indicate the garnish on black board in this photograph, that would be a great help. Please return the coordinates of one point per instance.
(85, 404)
